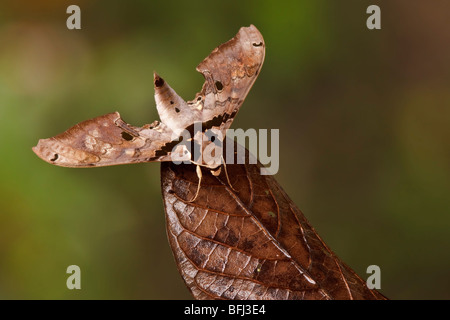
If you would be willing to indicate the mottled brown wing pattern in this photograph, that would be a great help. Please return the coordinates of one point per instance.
(229, 71)
(105, 140)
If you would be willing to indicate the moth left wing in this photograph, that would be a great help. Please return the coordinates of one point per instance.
(107, 140)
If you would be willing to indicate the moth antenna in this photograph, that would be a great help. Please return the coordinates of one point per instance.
(172, 109)
(199, 175)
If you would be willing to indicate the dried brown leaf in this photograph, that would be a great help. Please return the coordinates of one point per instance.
(250, 244)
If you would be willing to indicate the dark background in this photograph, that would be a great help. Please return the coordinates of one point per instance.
(364, 119)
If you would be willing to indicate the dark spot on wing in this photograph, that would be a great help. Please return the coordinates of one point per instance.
(126, 136)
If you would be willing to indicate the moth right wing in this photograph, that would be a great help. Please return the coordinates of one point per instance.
(230, 72)
(108, 140)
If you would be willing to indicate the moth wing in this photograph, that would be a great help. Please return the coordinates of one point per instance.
(107, 140)
(230, 71)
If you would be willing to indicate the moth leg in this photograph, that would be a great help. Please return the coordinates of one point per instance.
(199, 175)
(226, 174)
(216, 172)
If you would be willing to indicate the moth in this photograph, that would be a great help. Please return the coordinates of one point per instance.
(186, 130)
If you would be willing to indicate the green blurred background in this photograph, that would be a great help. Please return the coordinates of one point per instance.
(364, 119)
